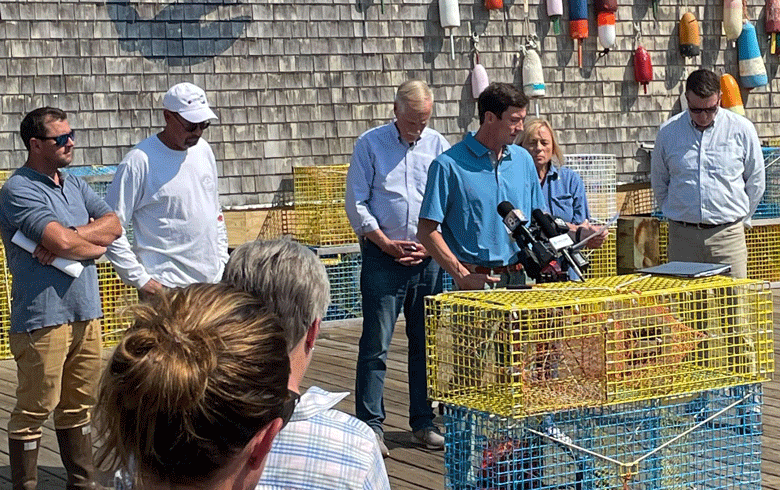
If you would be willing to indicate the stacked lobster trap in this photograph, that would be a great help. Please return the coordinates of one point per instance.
(628, 382)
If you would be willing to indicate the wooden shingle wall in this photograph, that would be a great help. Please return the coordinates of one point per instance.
(295, 83)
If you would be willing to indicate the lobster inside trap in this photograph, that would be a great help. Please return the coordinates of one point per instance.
(701, 441)
(517, 353)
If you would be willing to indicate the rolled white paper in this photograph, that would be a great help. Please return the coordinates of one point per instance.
(72, 268)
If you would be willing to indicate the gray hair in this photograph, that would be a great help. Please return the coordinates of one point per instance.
(412, 93)
(287, 277)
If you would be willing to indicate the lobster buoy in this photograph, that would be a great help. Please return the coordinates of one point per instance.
(752, 72)
(772, 23)
(449, 16)
(606, 22)
(479, 79)
(578, 24)
(605, 6)
(554, 12)
(494, 4)
(533, 77)
(732, 18)
(643, 67)
(690, 39)
(731, 98)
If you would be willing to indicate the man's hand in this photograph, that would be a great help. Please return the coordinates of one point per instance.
(44, 255)
(151, 287)
(414, 253)
(474, 281)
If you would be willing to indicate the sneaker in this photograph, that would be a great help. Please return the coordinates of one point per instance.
(380, 439)
(430, 437)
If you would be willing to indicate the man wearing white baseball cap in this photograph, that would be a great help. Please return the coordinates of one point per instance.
(166, 188)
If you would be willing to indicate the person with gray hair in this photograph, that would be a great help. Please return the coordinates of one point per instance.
(385, 186)
(320, 447)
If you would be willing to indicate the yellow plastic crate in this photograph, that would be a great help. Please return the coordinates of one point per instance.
(603, 260)
(763, 245)
(320, 218)
(115, 297)
(612, 340)
(5, 306)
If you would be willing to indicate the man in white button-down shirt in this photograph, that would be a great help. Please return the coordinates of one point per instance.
(707, 173)
(385, 186)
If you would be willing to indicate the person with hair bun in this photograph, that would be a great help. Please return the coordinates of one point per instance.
(195, 392)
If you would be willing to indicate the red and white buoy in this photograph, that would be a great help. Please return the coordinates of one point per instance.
(732, 19)
(643, 67)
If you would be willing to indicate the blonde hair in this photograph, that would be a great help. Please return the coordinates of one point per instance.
(531, 128)
(198, 374)
(413, 93)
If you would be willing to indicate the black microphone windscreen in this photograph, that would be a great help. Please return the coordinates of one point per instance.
(505, 208)
(544, 222)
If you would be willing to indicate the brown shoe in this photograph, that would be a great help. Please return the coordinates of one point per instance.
(76, 453)
(23, 456)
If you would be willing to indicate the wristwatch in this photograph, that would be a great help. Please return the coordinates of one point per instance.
(74, 229)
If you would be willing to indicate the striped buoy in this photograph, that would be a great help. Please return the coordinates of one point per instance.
(606, 22)
(730, 97)
(772, 23)
(533, 77)
(554, 12)
(578, 24)
(690, 39)
(752, 72)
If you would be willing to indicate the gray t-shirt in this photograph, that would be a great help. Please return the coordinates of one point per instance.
(42, 295)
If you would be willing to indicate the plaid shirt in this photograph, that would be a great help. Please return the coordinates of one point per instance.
(324, 449)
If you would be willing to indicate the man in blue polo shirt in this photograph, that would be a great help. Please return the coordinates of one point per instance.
(55, 326)
(465, 185)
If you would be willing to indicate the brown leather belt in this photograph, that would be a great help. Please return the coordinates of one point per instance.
(501, 269)
(703, 226)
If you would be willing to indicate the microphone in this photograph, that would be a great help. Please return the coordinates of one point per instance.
(558, 240)
(535, 258)
(561, 242)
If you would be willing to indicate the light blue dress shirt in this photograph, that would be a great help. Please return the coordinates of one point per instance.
(386, 180)
(463, 193)
(715, 176)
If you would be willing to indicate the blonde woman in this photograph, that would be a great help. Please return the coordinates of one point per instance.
(562, 187)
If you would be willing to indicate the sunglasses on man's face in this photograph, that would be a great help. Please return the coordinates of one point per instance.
(60, 140)
(699, 110)
(289, 406)
(190, 127)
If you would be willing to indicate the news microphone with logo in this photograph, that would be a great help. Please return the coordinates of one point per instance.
(561, 242)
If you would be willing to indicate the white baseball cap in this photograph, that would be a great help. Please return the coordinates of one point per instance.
(189, 101)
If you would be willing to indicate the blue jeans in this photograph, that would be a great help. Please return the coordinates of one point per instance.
(386, 286)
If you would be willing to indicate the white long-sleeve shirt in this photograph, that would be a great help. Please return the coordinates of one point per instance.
(171, 198)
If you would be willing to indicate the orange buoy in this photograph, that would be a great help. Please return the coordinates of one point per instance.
(494, 4)
(578, 24)
(643, 67)
(730, 97)
(690, 39)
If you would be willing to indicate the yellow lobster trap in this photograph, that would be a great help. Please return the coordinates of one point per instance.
(320, 218)
(612, 340)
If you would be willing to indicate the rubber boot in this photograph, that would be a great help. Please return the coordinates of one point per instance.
(76, 453)
(23, 456)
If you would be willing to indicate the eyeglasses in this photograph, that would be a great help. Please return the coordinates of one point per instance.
(289, 406)
(708, 110)
(60, 140)
(191, 126)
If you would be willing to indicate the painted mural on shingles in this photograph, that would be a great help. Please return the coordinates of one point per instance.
(177, 34)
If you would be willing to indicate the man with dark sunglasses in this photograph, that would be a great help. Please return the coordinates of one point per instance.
(707, 173)
(55, 317)
(320, 447)
(166, 188)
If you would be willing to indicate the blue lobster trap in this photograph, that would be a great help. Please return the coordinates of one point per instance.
(708, 440)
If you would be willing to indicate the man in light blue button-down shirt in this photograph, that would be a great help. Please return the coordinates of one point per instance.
(707, 173)
(385, 186)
